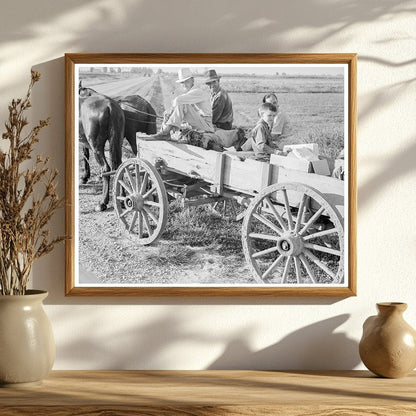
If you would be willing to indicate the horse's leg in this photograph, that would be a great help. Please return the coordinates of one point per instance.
(85, 152)
(131, 136)
(116, 136)
(95, 133)
(105, 168)
(97, 137)
(87, 173)
(116, 141)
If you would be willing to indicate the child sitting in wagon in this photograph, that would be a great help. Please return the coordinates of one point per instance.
(260, 140)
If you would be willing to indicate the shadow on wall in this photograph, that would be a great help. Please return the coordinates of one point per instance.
(140, 20)
(396, 167)
(382, 97)
(140, 26)
(152, 345)
(249, 23)
(48, 100)
(139, 347)
(315, 346)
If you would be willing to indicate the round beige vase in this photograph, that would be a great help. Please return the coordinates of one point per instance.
(388, 345)
(27, 347)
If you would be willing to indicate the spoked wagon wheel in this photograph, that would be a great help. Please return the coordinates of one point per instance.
(292, 235)
(140, 200)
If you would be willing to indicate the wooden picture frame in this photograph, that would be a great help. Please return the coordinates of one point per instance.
(283, 234)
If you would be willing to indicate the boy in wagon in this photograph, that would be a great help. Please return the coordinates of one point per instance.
(281, 126)
(260, 140)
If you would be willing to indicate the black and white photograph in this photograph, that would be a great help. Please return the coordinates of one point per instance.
(198, 174)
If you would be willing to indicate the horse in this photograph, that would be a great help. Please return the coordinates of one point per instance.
(139, 116)
(101, 120)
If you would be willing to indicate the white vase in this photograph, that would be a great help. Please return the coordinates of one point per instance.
(27, 346)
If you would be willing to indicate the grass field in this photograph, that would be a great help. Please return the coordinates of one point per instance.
(314, 106)
(314, 117)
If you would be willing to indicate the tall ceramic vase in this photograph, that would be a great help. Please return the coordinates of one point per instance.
(27, 347)
(388, 345)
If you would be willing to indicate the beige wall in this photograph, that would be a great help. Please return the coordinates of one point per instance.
(194, 333)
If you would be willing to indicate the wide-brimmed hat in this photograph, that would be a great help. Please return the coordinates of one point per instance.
(184, 74)
(211, 75)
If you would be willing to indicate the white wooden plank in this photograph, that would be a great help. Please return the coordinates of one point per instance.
(239, 174)
(331, 188)
(186, 159)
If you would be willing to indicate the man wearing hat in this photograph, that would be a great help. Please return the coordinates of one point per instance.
(222, 107)
(192, 107)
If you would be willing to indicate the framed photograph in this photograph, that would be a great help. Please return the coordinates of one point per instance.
(211, 174)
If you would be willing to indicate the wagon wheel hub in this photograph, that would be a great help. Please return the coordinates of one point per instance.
(283, 242)
(134, 202)
(290, 244)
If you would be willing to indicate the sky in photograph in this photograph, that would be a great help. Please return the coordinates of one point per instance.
(289, 69)
(334, 70)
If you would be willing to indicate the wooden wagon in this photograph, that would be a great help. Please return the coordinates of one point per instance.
(293, 221)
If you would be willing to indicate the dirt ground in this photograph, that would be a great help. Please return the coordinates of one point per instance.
(108, 256)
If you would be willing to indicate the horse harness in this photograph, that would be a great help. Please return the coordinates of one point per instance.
(134, 110)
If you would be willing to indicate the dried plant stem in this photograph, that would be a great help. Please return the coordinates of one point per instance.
(23, 217)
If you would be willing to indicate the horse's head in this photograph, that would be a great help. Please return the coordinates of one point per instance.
(85, 92)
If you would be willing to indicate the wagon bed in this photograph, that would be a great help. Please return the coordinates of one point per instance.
(293, 221)
(234, 171)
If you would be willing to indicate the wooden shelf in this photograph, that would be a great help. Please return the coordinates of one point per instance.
(208, 393)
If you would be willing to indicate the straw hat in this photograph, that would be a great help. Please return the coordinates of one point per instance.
(184, 74)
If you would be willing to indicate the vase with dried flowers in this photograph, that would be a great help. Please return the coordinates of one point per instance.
(28, 200)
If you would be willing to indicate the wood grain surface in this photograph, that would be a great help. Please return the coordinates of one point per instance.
(206, 393)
